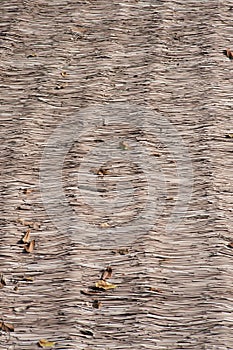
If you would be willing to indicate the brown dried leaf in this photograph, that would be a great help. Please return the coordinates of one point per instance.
(123, 251)
(28, 278)
(44, 343)
(105, 285)
(124, 145)
(229, 136)
(107, 273)
(228, 53)
(2, 281)
(104, 225)
(102, 171)
(6, 327)
(153, 289)
(96, 304)
(29, 247)
(230, 245)
(27, 191)
(32, 54)
(63, 74)
(26, 237)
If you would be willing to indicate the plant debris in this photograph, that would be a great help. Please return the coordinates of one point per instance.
(96, 304)
(29, 247)
(26, 237)
(105, 285)
(2, 281)
(44, 343)
(6, 327)
(104, 225)
(228, 53)
(107, 273)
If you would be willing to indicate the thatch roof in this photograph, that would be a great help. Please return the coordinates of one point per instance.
(116, 151)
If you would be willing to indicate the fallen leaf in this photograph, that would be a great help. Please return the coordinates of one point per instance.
(2, 281)
(123, 251)
(6, 327)
(28, 278)
(230, 245)
(105, 285)
(107, 273)
(63, 74)
(44, 343)
(124, 145)
(26, 237)
(102, 171)
(96, 304)
(29, 247)
(27, 190)
(33, 54)
(228, 53)
(153, 289)
(104, 225)
(229, 136)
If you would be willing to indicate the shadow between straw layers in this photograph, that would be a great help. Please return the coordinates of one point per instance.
(145, 87)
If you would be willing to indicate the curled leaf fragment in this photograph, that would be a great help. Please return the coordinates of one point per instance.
(2, 281)
(44, 343)
(228, 53)
(107, 273)
(6, 327)
(96, 304)
(29, 247)
(105, 285)
(26, 237)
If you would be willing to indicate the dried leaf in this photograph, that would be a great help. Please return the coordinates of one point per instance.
(104, 225)
(102, 171)
(96, 304)
(105, 285)
(26, 237)
(32, 54)
(29, 247)
(6, 327)
(28, 278)
(229, 136)
(107, 273)
(44, 343)
(63, 74)
(27, 190)
(2, 281)
(228, 53)
(123, 251)
(157, 290)
(124, 145)
(230, 245)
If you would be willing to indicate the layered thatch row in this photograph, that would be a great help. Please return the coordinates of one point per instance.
(116, 151)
